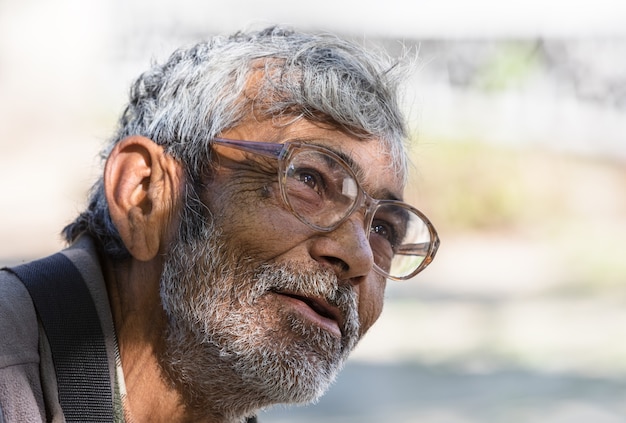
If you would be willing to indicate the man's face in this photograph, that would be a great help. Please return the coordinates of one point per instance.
(261, 307)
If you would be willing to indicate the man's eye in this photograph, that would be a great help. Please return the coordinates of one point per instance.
(311, 179)
(385, 231)
(308, 179)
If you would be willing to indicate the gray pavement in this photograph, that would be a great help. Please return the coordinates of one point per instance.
(412, 393)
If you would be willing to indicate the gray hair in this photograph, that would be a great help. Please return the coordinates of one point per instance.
(205, 89)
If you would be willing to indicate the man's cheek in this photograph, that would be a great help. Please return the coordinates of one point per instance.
(370, 306)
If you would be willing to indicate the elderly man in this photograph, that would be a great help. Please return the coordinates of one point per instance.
(236, 247)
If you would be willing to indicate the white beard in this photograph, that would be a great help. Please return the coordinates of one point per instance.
(227, 352)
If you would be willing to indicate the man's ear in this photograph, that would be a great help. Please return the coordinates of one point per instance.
(142, 185)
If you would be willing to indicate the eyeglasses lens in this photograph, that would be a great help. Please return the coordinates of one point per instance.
(322, 191)
(400, 239)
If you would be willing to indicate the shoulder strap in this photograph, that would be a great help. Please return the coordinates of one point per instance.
(69, 318)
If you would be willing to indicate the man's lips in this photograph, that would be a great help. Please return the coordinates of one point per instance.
(318, 309)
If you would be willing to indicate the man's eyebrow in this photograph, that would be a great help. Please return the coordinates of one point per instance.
(356, 168)
(385, 194)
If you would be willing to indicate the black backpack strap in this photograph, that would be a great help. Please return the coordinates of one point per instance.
(71, 323)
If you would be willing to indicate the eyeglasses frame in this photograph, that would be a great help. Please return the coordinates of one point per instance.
(283, 151)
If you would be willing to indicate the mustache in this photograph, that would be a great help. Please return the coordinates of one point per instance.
(320, 283)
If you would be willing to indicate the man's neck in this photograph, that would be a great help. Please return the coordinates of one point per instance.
(140, 325)
(139, 321)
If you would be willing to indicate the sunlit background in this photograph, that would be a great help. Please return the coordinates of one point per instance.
(518, 113)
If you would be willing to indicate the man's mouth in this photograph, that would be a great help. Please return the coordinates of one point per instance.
(318, 309)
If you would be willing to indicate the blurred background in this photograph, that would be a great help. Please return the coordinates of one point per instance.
(518, 113)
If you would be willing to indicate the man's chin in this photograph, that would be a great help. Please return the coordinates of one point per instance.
(293, 363)
(283, 359)
(294, 378)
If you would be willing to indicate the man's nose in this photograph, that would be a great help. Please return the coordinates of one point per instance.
(346, 249)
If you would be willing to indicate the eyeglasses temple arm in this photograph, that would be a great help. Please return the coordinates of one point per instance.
(419, 249)
(267, 149)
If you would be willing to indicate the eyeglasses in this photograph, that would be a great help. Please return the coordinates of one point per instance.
(322, 190)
